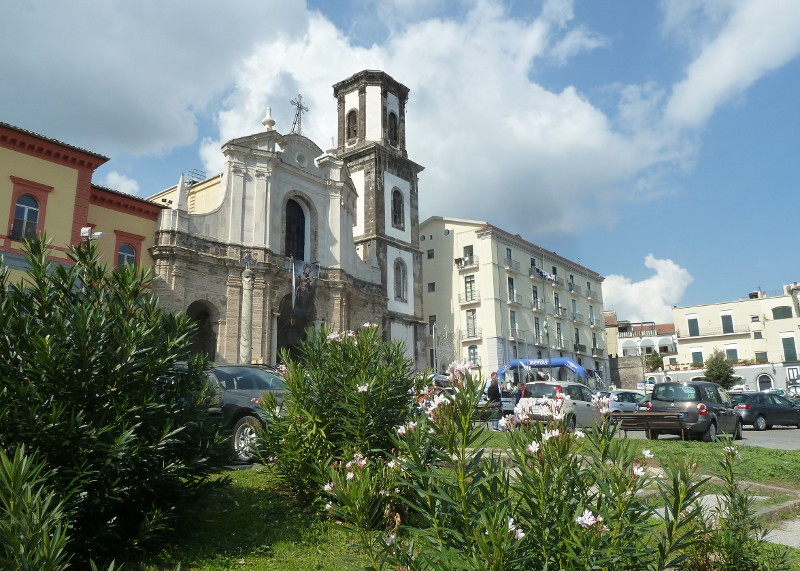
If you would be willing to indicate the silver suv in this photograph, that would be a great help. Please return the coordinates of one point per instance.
(577, 406)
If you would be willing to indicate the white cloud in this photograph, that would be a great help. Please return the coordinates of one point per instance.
(576, 41)
(651, 299)
(121, 182)
(757, 37)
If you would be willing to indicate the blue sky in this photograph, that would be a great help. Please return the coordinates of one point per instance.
(654, 142)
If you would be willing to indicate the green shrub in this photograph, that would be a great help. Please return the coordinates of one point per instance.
(345, 394)
(33, 529)
(86, 365)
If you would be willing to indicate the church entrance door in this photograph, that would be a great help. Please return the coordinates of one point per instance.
(291, 328)
(205, 340)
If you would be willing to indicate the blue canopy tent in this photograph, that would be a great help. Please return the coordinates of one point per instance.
(581, 373)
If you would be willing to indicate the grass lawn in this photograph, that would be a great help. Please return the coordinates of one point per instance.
(250, 525)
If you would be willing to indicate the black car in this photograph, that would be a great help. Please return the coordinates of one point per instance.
(239, 390)
(763, 410)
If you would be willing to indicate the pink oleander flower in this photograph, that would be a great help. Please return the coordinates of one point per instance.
(638, 471)
(350, 476)
(533, 447)
(329, 506)
(588, 519)
(328, 487)
(579, 434)
(334, 336)
(363, 388)
(518, 535)
(646, 453)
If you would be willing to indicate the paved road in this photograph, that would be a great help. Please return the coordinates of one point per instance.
(779, 437)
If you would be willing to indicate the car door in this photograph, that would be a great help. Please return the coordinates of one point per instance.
(782, 408)
(592, 415)
(627, 402)
(725, 409)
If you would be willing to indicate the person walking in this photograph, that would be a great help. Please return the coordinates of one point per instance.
(494, 404)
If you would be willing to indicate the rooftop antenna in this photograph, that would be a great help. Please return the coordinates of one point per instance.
(297, 126)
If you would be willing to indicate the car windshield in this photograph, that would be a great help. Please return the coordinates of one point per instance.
(740, 398)
(676, 393)
(248, 378)
(539, 390)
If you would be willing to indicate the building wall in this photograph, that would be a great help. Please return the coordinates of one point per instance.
(492, 332)
(751, 329)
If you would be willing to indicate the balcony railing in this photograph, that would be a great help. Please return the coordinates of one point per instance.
(511, 264)
(466, 262)
(577, 317)
(574, 288)
(595, 322)
(559, 281)
(514, 297)
(471, 333)
(713, 332)
(539, 338)
(472, 296)
(560, 312)
(594, 295)
(579, 348)
(561, 342)
(645, 333)
(597, 352)
(537, 304)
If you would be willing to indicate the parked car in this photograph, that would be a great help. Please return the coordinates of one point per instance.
(763, 410)
(578, 409)
(239, 389)
(707, 410)
(642, 402)
(793, 392)
(621, 400)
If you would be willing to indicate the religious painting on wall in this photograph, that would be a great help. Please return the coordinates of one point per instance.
(304, 284)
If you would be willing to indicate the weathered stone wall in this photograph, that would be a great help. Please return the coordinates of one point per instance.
(626, 372)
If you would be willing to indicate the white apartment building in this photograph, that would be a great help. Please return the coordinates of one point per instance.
(759, 334)
(490, 296)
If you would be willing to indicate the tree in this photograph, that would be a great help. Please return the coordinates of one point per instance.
(89, 385)
(719, 370)
(654, 361)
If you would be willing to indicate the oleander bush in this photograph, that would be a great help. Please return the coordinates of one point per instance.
(346, 392)
(87, 369)
(555, 500)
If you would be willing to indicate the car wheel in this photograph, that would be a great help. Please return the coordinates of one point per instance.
(651, 434)
(710, 435)
(760, 423)
(737, 432)
(244, 438)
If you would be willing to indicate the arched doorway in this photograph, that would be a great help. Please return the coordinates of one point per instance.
(764, 382)
(205, 340)
(291, 328)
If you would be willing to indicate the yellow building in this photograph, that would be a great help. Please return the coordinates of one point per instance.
(46, 190)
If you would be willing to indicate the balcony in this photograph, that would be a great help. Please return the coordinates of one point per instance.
(577, 317)
(574, 288)
(517, 334)
(597, 352)
(466, 263)
(539, 339)
(560, 343)
(560, 312)
(594, 295)
(511, 265)
(579, 348)
(472, 296)
(470, 333)
(596, 322)
(514, 297)
(713, 332)
(558, 281)
(537, 304)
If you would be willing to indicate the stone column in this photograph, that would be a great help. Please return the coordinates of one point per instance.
(246, 318)
(273, 338)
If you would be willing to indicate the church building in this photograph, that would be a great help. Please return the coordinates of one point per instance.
(290, 236)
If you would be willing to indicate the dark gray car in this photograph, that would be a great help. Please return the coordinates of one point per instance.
(239, 390)
(707, 409)
(763, 410)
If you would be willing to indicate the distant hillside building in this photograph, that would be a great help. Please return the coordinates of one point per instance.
(491, 296)
(290, 236)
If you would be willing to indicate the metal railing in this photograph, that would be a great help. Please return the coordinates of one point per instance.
(574, 288)
(511, 264)
(466, 262)
(472, 296)
(470, 333)
(597, 352)
(579, 348)
(538, 304)
(712, 332)
(577, 317)
(514, 297)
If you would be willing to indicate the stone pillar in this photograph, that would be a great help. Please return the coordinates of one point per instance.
(273, 337)
(246, 318)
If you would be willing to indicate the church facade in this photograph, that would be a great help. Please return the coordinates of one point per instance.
(289, 236)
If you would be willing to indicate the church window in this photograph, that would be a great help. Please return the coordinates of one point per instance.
(398, 216)
(393, 138)
(352, 125)
(126, 254)
(26, 217)
(400, 281)
(295, 240)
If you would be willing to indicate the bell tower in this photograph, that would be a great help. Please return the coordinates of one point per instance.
(372, 143)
